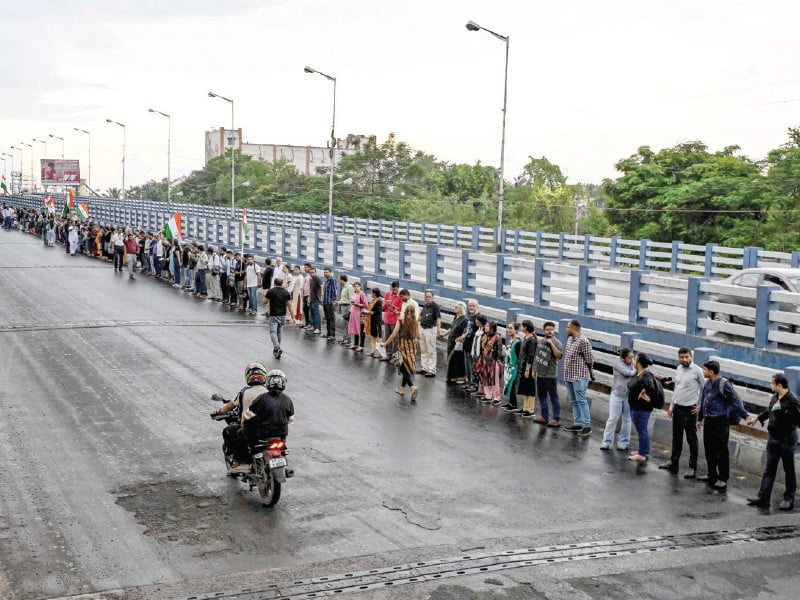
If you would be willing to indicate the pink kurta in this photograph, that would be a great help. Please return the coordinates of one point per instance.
(358, 305)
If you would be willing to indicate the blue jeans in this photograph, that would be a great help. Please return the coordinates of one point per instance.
(316, 320)
(252, 293)
(580, 407)
(618, 406)
(640, 419)
(547, 387)
(187, 278)
(275, 331)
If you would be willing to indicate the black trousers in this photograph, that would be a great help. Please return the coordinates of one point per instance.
(684, 423)
(779, 451)
(236, 444)
(330, 319)
(306, 311)
(716, 431)
(119, 251)
(223, 283)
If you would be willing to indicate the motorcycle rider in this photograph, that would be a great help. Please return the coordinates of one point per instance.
(255, 375)
(268, 416)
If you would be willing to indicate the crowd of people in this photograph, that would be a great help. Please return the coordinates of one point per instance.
(510, 372)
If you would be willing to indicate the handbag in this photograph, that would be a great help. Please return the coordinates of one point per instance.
(397, 358)
(459, 347)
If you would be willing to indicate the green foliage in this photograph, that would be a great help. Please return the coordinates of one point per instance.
(152, 190)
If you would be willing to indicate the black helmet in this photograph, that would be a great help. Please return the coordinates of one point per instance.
(276, 380)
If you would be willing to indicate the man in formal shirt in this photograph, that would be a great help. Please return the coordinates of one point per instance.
(431, 329)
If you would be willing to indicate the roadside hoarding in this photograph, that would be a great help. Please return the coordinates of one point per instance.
(58, 171)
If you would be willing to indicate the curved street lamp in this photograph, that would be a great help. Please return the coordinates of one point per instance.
(89, 178)
(62, 143)
(124, 129)
(308, 69)
(169, 138)
(473, 26)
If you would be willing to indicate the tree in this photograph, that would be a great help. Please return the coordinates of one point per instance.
(113, 192)
(152, 190)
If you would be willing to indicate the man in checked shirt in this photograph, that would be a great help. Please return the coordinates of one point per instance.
(578, 361)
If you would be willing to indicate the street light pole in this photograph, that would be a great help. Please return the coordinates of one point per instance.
(20, 170)
(123, 154)
(473, 26)
(233, 156)
(62, 143)
(11, 156)
(333, 145)
(169, 153)
(31, 147)
(89, 179)
(45, 156)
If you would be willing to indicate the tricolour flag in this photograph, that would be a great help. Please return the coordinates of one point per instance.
(173, 229)
(4, 186)
(83, 211)
(51, 204)
(245, 227)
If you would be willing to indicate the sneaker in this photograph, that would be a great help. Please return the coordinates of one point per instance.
(278, 354)
(637, 457)
(554, 423)
(585, 431)
(758, 502)
(509, 408)
(540, 420)
(605, 446)
(519, 411)
(316, 332)
(527, 415)
(621, 448)
(690, 474)
(573, 428)
(720, 486)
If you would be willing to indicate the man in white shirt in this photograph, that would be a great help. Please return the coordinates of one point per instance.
(278, 272)
(689, 382)
(118, 242)
(405, 295)
(212, 275)
(252, 277)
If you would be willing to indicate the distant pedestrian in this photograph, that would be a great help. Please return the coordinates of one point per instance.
(688, 391)
(277, 301)
(131, 249)
(618, 405)
(783, 417)
(719, 405)
(456, 367)
(373, 321)
(391, 313)
(491, 361)
(315, 301)
(297, 295)
(118, 242)
(252, 277)
(343, 304)
(578, 361)
(330, 296)
(511, 368)
(358, 305)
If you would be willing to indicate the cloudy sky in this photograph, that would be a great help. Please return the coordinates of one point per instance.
(589, 80)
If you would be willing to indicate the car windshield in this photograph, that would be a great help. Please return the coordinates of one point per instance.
(794, 282)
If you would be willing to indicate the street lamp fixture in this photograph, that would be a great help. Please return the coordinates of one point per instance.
(11, 156)
(20, 160)
(169, 153)
(473, 26)
(89, 178)
(124, 130)
(308, 69)
(62, 143)
(233, 156)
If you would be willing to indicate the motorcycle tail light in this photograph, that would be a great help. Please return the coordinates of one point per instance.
(275, 448)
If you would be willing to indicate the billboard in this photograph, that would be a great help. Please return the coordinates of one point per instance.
(57, 171)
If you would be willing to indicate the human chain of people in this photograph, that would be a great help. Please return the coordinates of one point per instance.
(511, 372)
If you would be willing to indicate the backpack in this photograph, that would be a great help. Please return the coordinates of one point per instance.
(733, 415)
(657, 400)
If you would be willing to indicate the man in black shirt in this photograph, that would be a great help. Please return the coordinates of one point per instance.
(431, 325)
(267, 275)
(277, 299)
(783, 415)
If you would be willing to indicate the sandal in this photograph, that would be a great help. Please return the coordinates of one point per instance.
(414, 392)
(359, 349)
(400, 391)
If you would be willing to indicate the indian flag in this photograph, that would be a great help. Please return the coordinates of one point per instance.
(69, 205)
(245, 227)
(51, 204)
(173, 229)
(3, 186)
(83, 211)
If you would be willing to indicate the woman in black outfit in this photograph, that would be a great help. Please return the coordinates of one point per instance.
(456, 368)
(526, 375)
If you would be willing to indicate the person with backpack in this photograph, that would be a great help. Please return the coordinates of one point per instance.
(720, 407)
(644, 394)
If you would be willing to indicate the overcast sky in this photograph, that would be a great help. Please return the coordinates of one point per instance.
(589, 80)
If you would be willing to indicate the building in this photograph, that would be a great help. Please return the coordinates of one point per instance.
(308, 160)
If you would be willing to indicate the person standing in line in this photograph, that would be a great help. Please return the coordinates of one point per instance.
(330, 294)
(431, 326)
(548, 352)
(307, 297)
(177, 265)
(491, 371)
(131, 248)
(719, 404)
(200, 272)
(358, 304)
(118, 241)
(267, 276)
(456, 365)
(511, 368)
(391, 313)
(689, 383)
(406, 331)
(72, 240)
(618, 405)
(468, 339)
(278, 271)
(343, 304)
(225, 257)
(641, 393)
(277, 300)
(315, 300)
(783, 415)
(214, 272)
(526, 371)
(373, 322)
(252, 276)
(297, 295)
(578, 360)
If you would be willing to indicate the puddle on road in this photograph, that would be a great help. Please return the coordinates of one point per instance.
(170, 513)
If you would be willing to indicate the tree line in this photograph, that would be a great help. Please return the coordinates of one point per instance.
(686, 192)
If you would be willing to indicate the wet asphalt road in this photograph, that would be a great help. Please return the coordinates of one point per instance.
(113, 476)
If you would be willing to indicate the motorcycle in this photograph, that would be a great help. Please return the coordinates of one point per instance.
(269, 468)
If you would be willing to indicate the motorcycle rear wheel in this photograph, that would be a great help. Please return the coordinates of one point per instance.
(269, 490)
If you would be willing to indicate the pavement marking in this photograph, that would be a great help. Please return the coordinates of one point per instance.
(474, 564)
(16, 327)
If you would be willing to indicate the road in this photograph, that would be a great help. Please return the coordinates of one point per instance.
(113, 484)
